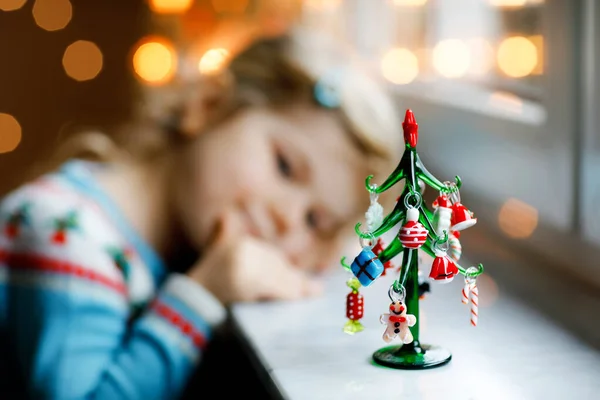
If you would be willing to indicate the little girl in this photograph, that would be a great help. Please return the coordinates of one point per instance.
(114, 273)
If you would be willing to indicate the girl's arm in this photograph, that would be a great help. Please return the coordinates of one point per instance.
(67, 319)
(73, 342)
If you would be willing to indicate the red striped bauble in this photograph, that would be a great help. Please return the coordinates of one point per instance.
(412, 235)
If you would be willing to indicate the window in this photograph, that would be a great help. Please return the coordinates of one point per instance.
(506, 97)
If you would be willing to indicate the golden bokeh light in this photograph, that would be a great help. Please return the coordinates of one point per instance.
(11, 5)
(230, 6)
(538, 42)
(10, 133)
(400, 66)
(482, 56)
(517, 56)
(52, 15)
(213, 61)
(508, 3)
(515, 3)
(170, 6)
(451, 58)
(409, 3)
(82, 60)
(154, 61)
(517, 219)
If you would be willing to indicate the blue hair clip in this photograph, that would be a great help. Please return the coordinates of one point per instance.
(327, 90)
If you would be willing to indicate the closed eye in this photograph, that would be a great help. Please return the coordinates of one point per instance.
(284, 165)
(321, 223)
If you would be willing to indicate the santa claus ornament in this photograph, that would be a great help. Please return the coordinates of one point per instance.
(462, 218)
(443, 268)
(434, 231)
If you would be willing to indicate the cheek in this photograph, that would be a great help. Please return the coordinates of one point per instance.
(239, 164)
(311, 254)
(192, 203)
(214, 175)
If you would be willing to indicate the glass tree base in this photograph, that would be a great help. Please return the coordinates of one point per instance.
(412, 356)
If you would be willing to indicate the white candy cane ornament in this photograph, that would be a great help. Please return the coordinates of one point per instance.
(470, 293)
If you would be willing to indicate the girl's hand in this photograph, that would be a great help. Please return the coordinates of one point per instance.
(238, 268)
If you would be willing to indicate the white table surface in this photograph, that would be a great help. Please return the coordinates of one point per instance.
(515, 352)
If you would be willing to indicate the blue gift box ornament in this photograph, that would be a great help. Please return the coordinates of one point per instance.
(366, 267)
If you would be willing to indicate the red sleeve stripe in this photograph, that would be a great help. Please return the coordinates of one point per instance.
(184, 326)
(23, 261)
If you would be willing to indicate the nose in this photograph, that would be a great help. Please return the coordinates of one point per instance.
(288, 212)
(285, 216)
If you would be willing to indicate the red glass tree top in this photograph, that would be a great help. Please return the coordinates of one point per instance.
(411, 129)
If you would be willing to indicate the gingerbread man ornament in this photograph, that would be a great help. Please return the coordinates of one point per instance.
(398, 323)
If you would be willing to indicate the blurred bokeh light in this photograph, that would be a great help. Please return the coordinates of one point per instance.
(482, 56)
(170, 6)
(515, 3)
(400, 66)
(52, 15)
(155, 60)
(213, 61)
(230, 6)
(10, 133)
(82, 60)
(508, 3)
(488, 290)
(517, 56)
(517, 219)
(538, 42)
(11, 5)
(451, 58)
(409, 3)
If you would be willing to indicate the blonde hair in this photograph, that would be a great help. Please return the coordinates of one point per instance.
(273, 72)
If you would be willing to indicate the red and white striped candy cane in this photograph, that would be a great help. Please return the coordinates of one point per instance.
(470, 293)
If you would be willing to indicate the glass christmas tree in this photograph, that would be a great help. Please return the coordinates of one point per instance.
(435, 232)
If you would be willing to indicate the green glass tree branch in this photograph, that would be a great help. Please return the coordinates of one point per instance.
(396, 176)
(426, 218)
(430, 180)
(391, 251)
(409, 278)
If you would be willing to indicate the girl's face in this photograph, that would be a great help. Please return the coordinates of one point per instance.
(291, 177)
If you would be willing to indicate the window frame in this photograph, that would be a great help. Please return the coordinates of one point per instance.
(564, 148)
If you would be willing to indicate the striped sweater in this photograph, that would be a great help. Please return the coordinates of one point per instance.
(87, 308)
